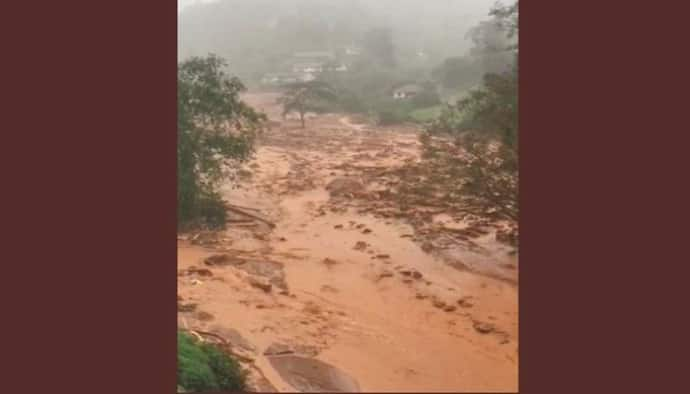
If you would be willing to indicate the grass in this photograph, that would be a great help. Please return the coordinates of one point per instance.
(204, 367)
(424, 115)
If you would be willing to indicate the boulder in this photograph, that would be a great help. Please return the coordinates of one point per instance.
(360, 245)
(343, 186)
(224, 259)
(260, 283)
(483, 328)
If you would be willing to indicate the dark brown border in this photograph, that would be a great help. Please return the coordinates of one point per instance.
(603, 208)
(88, 196)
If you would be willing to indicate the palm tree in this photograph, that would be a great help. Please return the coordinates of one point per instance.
(301, 97)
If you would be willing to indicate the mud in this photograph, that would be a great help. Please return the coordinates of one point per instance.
(395, 291)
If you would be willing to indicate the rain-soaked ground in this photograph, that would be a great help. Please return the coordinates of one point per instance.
(353, 287)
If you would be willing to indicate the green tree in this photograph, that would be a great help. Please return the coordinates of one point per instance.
(458, 73)
(302, 97)
(495, 39)
(482, 163)
(205, 367)
(215, 132)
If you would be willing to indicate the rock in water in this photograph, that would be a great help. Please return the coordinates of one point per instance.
(361, 245)
(484, 328)
(224, 259)
(277, 349)
(438, 304)
(260, 283)
(343, 186)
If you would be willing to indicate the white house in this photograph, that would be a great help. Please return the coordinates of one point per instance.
(308, 67)
(406, 91)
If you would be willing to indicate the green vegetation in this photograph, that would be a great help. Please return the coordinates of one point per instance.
(425, 115)
(458, 73)
(204, 367)
(482, 164)
(382, 45)
(215, 132)
(303, 97)
(260, 36)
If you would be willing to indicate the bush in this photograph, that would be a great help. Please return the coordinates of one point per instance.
(391, 116)
(426, 98)
(426, 115)
(215, 132)
(204, 367)
(350, 102)
(212, 212)
(389, 111)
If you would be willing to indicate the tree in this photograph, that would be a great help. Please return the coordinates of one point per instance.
(458, 73)
(206, 367)
(481, 163)
(495, 39)
(302, 97)
(215, 132)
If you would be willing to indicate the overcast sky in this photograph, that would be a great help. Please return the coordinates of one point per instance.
(481, 3)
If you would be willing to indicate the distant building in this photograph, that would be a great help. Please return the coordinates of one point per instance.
(318, 67)
(277, 79)
(306, 77)
(406, 91)
(352, 50)
(314, 56)
(339, 68)
(308, 67)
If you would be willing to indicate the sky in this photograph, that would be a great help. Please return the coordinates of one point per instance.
(486, 3)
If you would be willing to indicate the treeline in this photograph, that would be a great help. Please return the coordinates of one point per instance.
(257, 35)
(481, 164)
(369, 85)
(442, 47)
(215, 134)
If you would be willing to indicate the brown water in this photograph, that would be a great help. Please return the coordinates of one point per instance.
(353, 305)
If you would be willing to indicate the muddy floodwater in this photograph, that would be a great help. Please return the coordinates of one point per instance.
(341, 287)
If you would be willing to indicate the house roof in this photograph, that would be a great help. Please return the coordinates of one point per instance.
(308, 64)
(413, 88)
(314, 54)
(279, 75)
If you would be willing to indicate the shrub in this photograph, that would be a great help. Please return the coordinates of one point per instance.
(204, 367)
(426, 98)
(215, 133)
(350, 102)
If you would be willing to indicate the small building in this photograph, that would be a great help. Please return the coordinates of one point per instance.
(339, 67)
(352, 50)
(306, 77)
(406, 91)
(314, 56)
(280, 78)
(308, 67)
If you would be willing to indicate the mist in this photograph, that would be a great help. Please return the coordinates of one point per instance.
(255, 35)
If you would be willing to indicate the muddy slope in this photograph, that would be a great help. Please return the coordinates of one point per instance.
(363, 292)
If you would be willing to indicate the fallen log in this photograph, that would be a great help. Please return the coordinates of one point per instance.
(240, 221)
(241, 207)
(227, 345)
(241, 212)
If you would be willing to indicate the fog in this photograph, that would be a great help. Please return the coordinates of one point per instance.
(255, 35)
